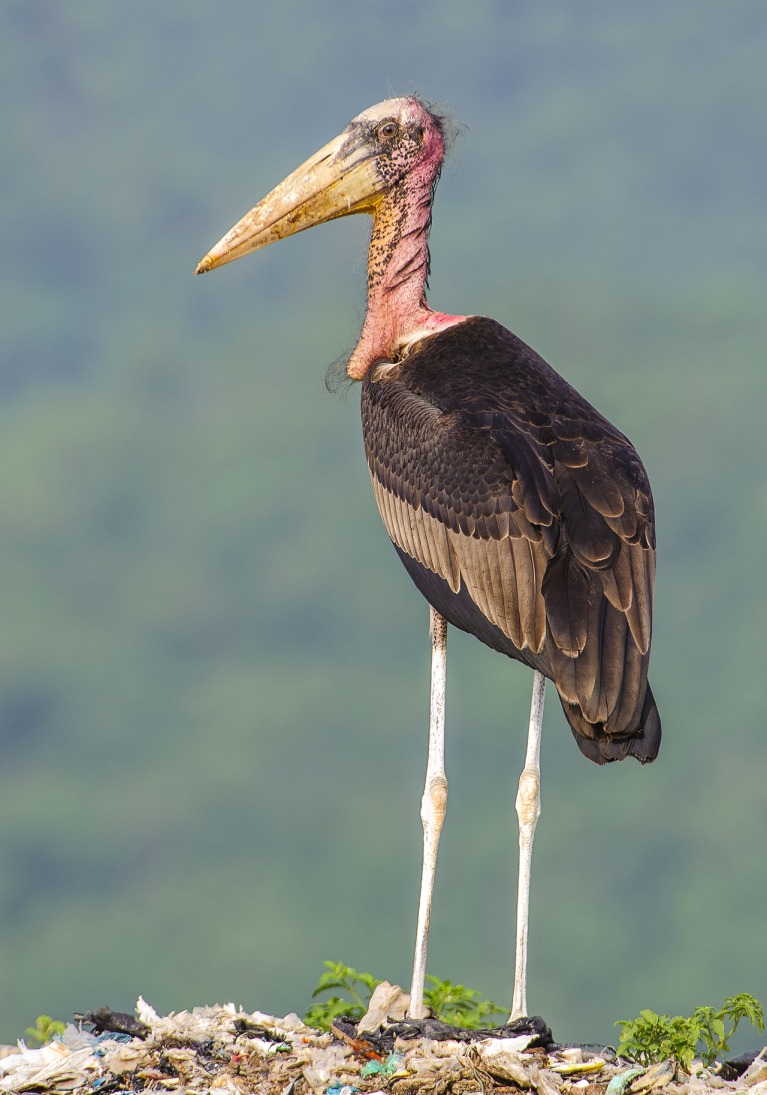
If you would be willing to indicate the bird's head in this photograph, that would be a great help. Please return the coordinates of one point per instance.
(396, 141)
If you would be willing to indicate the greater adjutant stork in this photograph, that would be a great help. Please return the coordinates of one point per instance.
(522, 515)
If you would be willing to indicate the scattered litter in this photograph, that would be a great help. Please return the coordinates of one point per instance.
(388, 1004)
(224, 1050)
(390, 1067)
(573, 1068)
(620, 1083)
(756, 1073)
(505, 1065)
(507, 1045)
(655, 1078)
(53, 1067)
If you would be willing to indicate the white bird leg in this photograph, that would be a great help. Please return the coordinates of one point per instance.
(433, 806)
(528, 811)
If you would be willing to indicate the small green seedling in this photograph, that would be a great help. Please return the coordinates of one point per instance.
(706, 1033)
(44, 1030)
(462, 1007)
(453, 1004)
(358, 986)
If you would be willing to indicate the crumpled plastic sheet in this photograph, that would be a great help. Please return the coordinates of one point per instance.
(62, 1065)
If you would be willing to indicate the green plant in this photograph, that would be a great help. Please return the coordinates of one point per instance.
(652, 1037)
(358, 985)
(452, 1003)
(44, 1030)
(461, 1006)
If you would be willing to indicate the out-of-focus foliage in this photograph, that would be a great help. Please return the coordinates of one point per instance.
(213, 670)
(44, 1030)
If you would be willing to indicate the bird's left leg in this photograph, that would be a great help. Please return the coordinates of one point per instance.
(528, 811)
(432, 806)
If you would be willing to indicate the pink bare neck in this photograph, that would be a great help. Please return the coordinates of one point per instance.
(398, 265)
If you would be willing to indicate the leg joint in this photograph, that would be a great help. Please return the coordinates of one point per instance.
(434, 802)
(529, 797)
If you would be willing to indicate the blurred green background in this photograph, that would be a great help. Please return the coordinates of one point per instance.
(213, 669)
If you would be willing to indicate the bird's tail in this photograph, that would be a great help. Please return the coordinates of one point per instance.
(601, 748)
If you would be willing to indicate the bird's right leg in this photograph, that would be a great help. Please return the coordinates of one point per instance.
(432, 806)
(528, 811)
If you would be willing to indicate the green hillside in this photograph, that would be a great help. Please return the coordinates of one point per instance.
(213, 669)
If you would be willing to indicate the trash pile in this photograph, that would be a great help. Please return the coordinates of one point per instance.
(226, 1050)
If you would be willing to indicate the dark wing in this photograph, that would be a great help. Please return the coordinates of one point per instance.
(523, 515)
(445, 495)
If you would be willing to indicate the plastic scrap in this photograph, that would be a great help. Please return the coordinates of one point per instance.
(573, 1068)
(388, 1004)
(756, 1073)
(503, 1064)
(656, 1077)
(620, 1082)
(54, 1066)
(337, 1088)
(390, 1067)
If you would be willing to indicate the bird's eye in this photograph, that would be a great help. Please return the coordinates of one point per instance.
(387, 131)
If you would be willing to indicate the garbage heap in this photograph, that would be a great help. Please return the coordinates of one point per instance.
(225, 1049)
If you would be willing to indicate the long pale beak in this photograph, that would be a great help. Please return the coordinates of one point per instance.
(340, 179)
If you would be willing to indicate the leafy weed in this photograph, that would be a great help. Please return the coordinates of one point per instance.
(44, 1030)
(706, 1033)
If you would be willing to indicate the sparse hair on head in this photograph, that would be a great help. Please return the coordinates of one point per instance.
(449, 128)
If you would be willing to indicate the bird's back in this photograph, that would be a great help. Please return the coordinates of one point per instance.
(525, 518)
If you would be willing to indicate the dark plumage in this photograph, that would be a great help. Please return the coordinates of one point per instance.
(525, 518)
